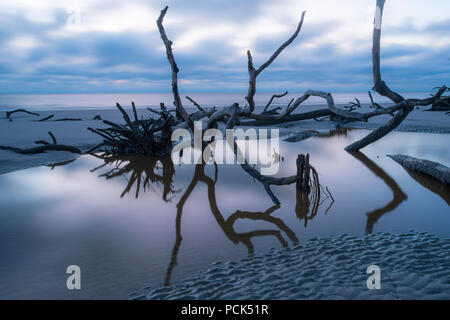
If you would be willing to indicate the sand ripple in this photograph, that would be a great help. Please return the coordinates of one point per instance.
(413, 266)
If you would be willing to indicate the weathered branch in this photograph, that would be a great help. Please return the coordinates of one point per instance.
(46, 118)
(68, 119)
(290, 118)
(403, 107)
(268, 181)
(253, 73)
(9, 113)
(273, 97)
(40, 149)
(46, 146)
(173, 65)
(221, 113)
(379, 85)
(195, 104)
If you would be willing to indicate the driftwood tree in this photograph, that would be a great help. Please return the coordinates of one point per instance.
(152, 136)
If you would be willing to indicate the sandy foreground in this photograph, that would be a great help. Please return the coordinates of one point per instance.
(25, 129)
(412, 266)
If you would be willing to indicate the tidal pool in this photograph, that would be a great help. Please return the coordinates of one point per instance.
(184, 218)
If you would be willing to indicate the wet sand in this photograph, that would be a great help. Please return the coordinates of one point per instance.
(413, 266)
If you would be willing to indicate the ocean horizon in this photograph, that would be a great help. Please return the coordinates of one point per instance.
(79, 101)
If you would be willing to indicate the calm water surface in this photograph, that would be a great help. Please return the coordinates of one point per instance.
(51, 218)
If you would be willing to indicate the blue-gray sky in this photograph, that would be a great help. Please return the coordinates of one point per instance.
(59, 46)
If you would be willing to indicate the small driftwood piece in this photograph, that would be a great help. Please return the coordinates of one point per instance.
(431, 168)
(68, 119)
(46, 146)
(46, 118)
(9, 113)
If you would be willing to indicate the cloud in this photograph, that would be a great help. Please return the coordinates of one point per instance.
(108, 46)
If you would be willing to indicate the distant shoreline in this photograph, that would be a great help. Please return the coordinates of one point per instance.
(24, 130)
(81, 101)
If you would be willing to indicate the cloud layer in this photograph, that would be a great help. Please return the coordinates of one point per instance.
(51, 46)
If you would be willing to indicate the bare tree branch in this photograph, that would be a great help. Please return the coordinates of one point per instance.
(253, 73)
(403, 106)
(195, 104)
(379, 85)
(176, 95)
(273, 97)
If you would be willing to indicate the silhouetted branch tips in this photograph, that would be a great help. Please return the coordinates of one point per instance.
(195, 104)
(273, 97)
(53, 137)
(134, 111)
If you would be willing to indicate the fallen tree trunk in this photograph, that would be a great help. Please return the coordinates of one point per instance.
(431, 168)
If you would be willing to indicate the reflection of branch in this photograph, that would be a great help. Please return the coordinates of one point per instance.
(178, 239)
(432, 184)
(304, 200)
(227, 225)
(142, 172)
(399, 195)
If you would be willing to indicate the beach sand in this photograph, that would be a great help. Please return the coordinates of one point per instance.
(412, 266)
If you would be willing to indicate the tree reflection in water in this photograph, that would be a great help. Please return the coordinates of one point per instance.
(146, 172)
(398, 195)
(142, 173)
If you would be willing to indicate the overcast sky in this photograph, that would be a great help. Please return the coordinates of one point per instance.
(58, 46)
